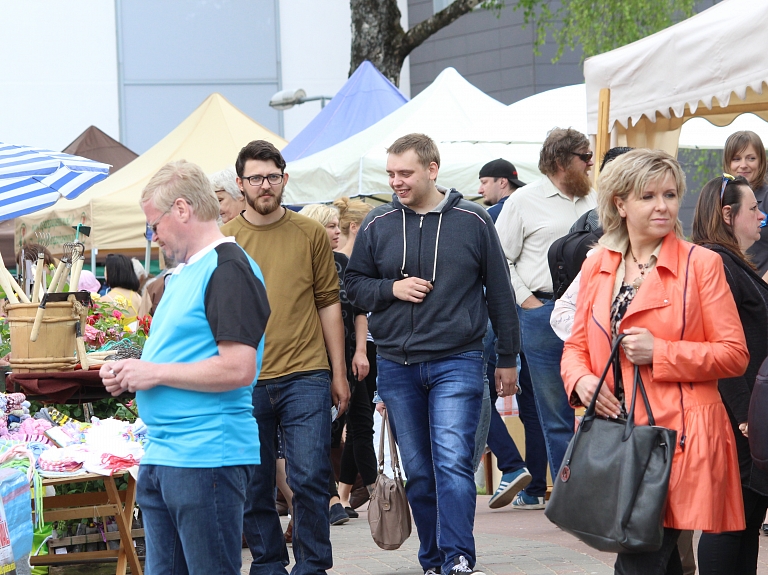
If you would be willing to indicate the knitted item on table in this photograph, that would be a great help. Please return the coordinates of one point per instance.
(15, 401)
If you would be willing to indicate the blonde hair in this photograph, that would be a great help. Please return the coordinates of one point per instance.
(320, 212)
(628, 174)
(424, 147)
(185, 180)
(351, 211)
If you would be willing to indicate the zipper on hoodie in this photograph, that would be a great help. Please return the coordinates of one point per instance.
(405, 353)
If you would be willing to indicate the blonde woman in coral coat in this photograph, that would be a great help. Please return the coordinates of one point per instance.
(673, 301)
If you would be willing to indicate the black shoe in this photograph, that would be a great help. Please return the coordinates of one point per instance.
(351, 513)
(461, 567)
(338, 515)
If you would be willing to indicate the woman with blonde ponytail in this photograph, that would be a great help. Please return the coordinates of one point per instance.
(358, 455)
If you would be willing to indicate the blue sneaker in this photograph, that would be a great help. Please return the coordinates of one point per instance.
(511, 484)
(525, 501)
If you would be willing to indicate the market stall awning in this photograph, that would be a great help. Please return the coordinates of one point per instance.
(96, 145)
(211, 137)
(32, 178)
(365, 98)
(460, 118)
(713, 65)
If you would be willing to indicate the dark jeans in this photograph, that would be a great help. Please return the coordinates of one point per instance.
(359, 455)
(193, 518)
(502, 445)
(542, 350)
(665, 561)
(436, 405)
(735, 552)
(301, 405)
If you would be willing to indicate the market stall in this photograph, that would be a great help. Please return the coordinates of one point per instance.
(211, 137)
(641, 94)
(460, 118)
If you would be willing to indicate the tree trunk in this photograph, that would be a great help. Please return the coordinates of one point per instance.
(377, 35)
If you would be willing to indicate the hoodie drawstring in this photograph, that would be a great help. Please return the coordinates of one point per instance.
(405, 248)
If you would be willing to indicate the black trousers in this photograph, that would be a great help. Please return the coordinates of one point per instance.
(359, 454)
(665, 561)
(735, 552)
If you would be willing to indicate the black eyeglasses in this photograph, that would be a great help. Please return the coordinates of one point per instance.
(585, 157)
(256, 181)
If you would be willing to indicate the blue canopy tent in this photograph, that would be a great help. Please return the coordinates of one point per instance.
(365, 98)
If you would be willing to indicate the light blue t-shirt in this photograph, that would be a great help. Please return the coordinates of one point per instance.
(218, 295)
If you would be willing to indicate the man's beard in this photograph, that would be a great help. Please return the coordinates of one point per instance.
(576, 181)
(488, 202)
(265, 209)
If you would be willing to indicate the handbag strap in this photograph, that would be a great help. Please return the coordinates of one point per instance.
(589, 415)
(393, 458)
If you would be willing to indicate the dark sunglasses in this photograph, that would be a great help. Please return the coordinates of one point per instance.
(586, 157)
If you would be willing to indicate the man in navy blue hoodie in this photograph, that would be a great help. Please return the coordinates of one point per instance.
(419, 266)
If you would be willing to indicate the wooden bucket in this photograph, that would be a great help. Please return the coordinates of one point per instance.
(56, 343)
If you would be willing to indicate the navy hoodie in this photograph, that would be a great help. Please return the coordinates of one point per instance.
(395, 242)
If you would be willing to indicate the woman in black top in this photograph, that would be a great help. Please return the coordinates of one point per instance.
(728, 221)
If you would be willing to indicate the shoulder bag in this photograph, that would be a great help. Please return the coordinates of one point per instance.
(611, 490)
(389, 516)
(756, 427)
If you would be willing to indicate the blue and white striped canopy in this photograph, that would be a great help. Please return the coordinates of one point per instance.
(32, 179)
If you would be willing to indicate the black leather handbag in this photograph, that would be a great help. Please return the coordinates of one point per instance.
(611, 490)
(757, 428)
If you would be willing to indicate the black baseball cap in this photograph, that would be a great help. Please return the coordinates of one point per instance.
(501, 168)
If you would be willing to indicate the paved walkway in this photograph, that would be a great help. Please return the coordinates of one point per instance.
(508, 541)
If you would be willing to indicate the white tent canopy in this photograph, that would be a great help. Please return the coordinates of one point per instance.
(460, 118)
(713, 65)
(530, 120)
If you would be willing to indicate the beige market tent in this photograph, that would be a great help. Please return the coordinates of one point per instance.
(211, 137)
(713, 65)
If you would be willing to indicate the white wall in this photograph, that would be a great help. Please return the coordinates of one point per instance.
(315, 40)
(58, 73)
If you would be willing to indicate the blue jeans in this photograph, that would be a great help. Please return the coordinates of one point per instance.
(508, 458)
(302, 407)
(192, 518)
(481, 435)
(435, 406)
(542, 350)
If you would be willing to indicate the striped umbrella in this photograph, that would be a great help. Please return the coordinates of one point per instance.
(32, 179)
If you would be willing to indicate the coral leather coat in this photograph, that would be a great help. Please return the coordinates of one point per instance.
(687, 305)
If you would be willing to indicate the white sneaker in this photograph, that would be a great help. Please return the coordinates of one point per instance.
(461, 567)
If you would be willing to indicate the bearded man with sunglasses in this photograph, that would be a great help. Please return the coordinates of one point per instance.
(530, 221)
(295, 388)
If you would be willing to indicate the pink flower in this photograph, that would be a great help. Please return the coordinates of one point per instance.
(117, 314)
(93, 335)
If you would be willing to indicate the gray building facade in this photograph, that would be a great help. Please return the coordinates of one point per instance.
(492, 51)
(173, 54)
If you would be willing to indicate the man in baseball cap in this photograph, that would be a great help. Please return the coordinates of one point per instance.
(498, 179)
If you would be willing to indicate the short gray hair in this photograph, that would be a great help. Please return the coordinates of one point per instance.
(226, 180)
(185, 180)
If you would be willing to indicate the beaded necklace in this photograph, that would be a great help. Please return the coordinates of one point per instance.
(642, 267)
